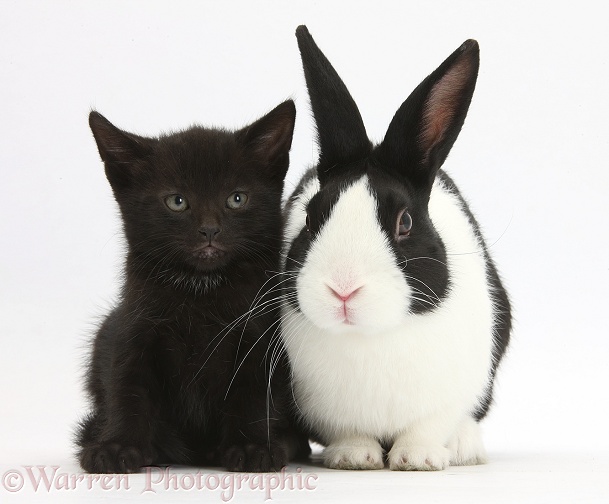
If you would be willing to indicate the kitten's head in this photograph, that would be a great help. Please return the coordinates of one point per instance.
(197, 201)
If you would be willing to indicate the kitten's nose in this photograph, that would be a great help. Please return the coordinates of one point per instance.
(209, 232)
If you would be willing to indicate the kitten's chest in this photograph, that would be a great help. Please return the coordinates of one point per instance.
(202, 352)
(203, 343)
(194, 346)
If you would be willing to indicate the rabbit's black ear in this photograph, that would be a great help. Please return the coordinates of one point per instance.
(341, 133)
(427, 124)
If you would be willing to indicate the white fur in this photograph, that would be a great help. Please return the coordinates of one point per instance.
(298, 215)
(409, 381)
(354, 453)
(466, 446)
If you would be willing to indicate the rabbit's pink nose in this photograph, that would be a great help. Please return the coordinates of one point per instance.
(344, 295)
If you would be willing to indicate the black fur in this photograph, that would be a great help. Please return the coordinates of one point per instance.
(341, 134)
(175, 375)
(401, 171)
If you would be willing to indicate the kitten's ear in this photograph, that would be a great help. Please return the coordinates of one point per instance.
(427, 124)
(268, 140)
(118, 149)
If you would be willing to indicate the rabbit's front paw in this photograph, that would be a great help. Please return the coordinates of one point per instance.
(418, 458)
(466, 446)
(354, 454)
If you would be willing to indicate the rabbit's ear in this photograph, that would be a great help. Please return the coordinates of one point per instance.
(427, 124)
(341, 133)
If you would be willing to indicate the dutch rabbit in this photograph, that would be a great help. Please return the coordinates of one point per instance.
(394, 317)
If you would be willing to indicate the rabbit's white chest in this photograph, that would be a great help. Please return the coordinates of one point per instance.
(378, 385)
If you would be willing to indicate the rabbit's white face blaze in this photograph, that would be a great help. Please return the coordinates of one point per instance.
(351, 280)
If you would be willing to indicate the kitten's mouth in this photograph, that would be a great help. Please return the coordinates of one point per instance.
(209, 253)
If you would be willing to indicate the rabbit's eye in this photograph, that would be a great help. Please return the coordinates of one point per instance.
(404, 224)
(308, 225)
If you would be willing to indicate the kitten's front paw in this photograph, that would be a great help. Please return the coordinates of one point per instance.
(255, 458)
(363, 454)
(114, 458)
(418, 458)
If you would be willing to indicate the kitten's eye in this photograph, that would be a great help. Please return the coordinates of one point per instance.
(236, 200)
(176, 203)
(404, 224)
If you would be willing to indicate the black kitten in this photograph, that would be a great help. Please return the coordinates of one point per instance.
(177, 373)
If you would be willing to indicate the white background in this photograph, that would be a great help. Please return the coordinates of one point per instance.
(532, 159)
